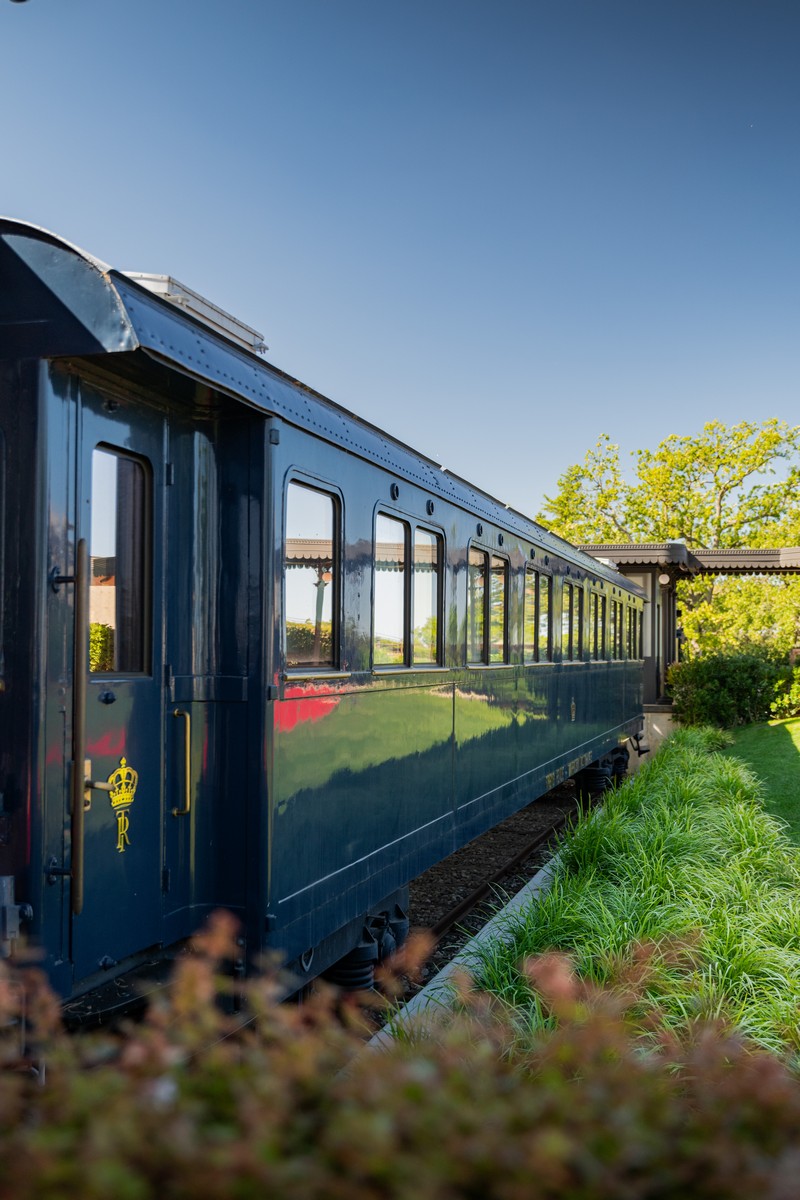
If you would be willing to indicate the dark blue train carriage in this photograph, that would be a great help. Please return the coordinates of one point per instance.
(255, 653)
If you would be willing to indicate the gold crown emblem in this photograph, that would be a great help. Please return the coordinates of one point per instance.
(123, 783)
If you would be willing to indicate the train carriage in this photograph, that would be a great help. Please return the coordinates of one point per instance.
(256, 654)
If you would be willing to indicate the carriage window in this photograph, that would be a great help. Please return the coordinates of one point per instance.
(634, 633)
(487, 608)
(530, 627)
(566, 621)
(536, 619)
(545, 640)
(476, 605)
(119, 601)
(497, 610)
(598, 631)
(620, 630)
(577, 619)
(427, 587)
(389, 641)
(310, 573)
(407, 594)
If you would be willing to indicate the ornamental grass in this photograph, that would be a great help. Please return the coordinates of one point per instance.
(684, 876)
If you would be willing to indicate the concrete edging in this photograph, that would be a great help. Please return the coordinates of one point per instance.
(438, 993)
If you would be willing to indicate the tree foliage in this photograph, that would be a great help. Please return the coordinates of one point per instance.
(754, 614)
(726, 487)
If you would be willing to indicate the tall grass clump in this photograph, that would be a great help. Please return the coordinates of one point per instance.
(683, 873)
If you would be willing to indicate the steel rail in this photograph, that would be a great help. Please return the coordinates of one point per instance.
(482, 890)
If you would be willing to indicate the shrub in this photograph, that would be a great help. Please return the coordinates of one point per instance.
(787, 693)
(305, 643)
(723, 689)
(101, 647)
(290, 1104)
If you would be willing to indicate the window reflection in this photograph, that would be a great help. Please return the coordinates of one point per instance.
(476, 601)
(577, 622)
(601, 628)
(566, 621)
(310, 577)
(497, 611)
(598, 623)
(407, 594)
(487, 607)
(529, 624)
(426, 596)
(389, 613)
(543, 648)
(119, 605)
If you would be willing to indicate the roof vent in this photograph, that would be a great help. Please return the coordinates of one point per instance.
(201, 309)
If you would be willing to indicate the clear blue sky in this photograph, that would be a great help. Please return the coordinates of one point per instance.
(496, 228)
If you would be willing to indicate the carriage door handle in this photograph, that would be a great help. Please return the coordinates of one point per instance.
(187, 763)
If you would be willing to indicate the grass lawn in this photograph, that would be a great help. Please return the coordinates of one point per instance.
(772, 751)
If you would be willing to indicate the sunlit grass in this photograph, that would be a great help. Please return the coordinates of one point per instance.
(772, 750)
(684, 861)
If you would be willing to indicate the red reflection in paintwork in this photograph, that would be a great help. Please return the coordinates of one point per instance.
(305, 708)
(54, 754)
(106, 746)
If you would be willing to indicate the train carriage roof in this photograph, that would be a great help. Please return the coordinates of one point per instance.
(57, 301)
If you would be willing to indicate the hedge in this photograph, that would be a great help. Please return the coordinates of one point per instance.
(193, 1102)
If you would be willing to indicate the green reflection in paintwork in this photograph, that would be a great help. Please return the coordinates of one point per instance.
(374, 727)
(364, 730)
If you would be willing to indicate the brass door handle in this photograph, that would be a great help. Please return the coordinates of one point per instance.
(187, 763)
(92, 785)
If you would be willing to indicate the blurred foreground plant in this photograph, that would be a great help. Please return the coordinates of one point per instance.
(196, 1102)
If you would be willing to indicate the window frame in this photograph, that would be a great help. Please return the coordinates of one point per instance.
(332, 492)
(489, 554)
(602, 626)
(411, 525)
(540, 577)
(148, 565)
(578, 621)
(568, 616)
(438, 536)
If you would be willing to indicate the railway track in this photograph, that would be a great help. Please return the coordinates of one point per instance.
(451, 900)
(505, 872)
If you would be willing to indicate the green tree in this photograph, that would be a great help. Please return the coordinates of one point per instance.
(716, 488)
(726, 487)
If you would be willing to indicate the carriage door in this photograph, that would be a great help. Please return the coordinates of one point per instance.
(118, 719)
